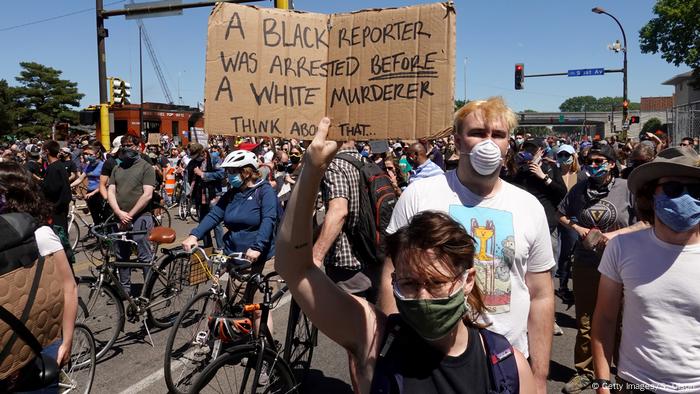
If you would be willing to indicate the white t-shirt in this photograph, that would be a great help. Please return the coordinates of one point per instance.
(47, 241)
(660, 343)
(512, 238)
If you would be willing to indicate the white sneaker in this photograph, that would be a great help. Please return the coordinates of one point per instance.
(557, 330)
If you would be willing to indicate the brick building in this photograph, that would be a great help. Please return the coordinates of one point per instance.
(158, 119)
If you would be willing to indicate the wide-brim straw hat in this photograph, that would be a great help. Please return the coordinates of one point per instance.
(671, 162)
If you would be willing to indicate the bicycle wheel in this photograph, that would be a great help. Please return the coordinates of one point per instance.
(194, 213)
(73, 233)
(183, 209)
(161, 216)
(77, 376)
(103, 313)
(168, 290)
(299, 342)
(189, 347)
(235, 372)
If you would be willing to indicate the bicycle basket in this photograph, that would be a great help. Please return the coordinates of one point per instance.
(200, 270)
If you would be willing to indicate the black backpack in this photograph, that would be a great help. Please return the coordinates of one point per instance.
(377, 201)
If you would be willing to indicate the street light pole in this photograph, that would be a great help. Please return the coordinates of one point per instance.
(599, 10)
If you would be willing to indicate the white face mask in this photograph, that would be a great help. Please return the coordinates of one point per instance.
(485, 157)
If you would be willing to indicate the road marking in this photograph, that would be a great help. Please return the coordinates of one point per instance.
(158, 375)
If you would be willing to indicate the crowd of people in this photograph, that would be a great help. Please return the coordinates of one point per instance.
(479, 224)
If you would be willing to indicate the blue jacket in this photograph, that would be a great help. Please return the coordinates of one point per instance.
(250, 216)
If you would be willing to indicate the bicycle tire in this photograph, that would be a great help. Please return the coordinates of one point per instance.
(183, 209)
(227, 374)
(300, 340)
(162, 218)
(168, 291)
(73, 233)
(78, 374)
(194, 213)
(105, 314)
(187, 353)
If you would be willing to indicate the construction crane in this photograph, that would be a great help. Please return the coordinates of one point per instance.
(154, 60)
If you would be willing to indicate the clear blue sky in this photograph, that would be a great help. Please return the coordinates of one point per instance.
(546, 35)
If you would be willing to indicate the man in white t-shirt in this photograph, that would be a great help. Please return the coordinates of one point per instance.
(652, 275)
(514, 252)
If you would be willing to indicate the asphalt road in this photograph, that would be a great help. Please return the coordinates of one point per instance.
(134, 365)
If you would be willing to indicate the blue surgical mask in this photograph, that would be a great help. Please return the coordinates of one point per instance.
(215, 155)
(565, 160)
(680, 214)
(235, 180)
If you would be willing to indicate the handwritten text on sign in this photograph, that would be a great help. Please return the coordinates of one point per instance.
(376, 73)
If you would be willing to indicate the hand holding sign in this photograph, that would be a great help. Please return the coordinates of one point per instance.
(321, 151)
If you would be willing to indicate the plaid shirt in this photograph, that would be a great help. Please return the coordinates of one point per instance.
(342, 180)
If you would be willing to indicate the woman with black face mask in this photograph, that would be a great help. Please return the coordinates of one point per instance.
(205, 182)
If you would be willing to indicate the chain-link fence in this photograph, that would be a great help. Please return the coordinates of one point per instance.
(685, 122)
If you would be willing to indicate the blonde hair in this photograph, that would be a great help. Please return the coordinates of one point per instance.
(492, 109)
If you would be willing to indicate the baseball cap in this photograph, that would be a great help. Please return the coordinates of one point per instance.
(65, 150)
(116, 144)
(604, 150)
(566, 148)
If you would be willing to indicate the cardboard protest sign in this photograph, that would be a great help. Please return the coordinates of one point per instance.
(378, 74)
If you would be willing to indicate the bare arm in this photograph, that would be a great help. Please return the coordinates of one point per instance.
(604, 325)
(527, 381)
(112, 197)
(347, 320)
(104, 179)
(333, 224)
(540, 325)
(70, 304)
(78, 180)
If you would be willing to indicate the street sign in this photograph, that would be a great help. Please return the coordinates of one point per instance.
(139, 6)
(586, 72)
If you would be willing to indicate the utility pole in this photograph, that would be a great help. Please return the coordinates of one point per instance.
(144, 133)
(465, 79)
(102, 75)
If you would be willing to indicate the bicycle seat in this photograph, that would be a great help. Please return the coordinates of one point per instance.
(162, 235)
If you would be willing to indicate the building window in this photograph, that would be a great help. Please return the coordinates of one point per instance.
(151, 126)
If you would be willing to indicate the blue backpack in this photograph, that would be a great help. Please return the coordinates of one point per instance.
(503, 368)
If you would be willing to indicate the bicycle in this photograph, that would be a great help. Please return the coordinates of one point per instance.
(192, 343)
(250, 353)
(78, 374)
(74, 222)
(160, 214)
(161, 296)
(186, 208)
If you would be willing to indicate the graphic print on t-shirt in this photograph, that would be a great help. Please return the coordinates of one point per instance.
(492, 230)
(601, 215)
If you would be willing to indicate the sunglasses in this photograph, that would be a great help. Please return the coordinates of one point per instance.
(685, 144)
(599, 162)
(564, 154)
(391, 169)
(675, 189)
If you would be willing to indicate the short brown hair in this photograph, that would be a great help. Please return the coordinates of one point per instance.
(435, 235)
(249, 173)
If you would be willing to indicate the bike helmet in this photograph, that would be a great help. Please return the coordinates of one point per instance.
(229, 329)
(240, 158)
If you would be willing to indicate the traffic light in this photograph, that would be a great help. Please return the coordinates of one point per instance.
(119, 92)
(634, 119)
(625, 104)
(519, 76)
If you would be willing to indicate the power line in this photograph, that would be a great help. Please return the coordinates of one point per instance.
(54, 17)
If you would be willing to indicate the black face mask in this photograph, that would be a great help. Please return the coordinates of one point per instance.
(281, 167)
(294, 159)
(128, 157)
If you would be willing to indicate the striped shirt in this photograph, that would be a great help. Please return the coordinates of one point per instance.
(342, 180)
(425, 170)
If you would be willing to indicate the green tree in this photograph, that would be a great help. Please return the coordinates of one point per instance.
(592, 104)
(674, 33)
(459, 104)
(651, 125)
(44, 99)
(8, 108)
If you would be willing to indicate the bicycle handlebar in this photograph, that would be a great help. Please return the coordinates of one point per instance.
(115, 236)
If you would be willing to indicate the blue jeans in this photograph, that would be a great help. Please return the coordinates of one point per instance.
(122, 249)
